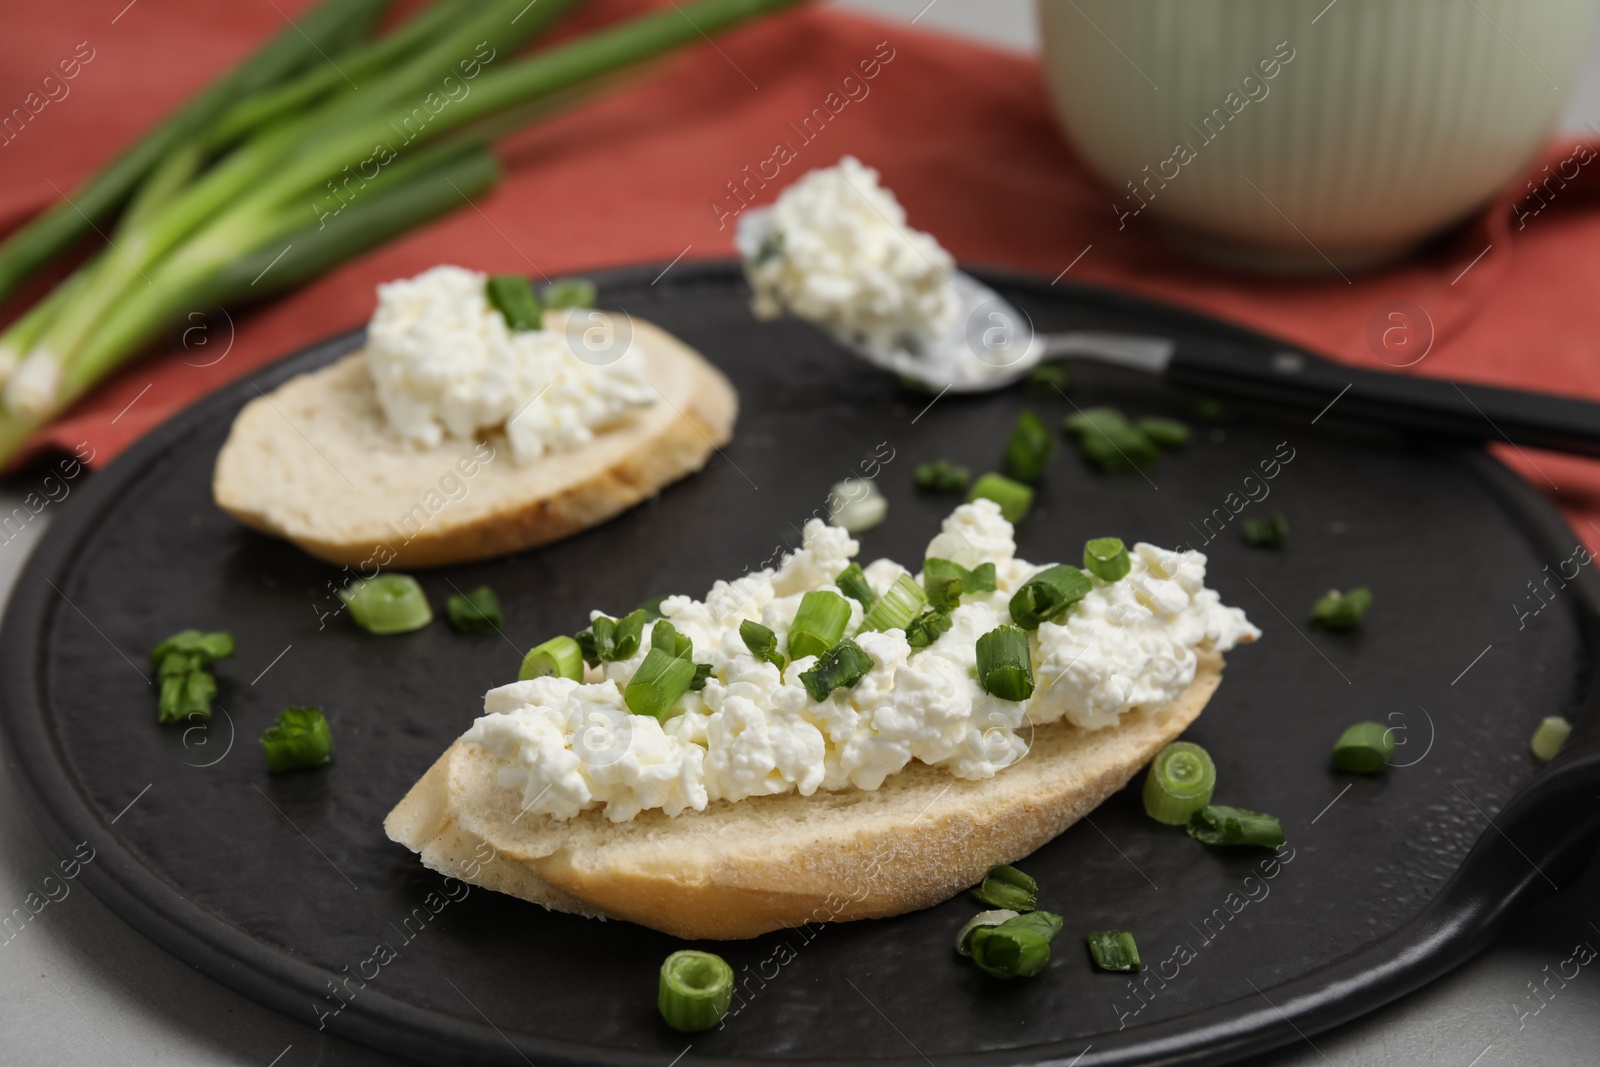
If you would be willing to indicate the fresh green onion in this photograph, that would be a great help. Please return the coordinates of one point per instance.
(898, 606)
(477, 612)
(1114, 950)
(853, 581)
(1014, 498)
(665, 636)
(187, 696)
(840, 667)
(702, 674)
(695, 991)
(1179, 783)
(819, 624)
(946, 581)
(1109, 441)
(1222, 825)
(1016, 948)
(1550, 737)
(661, 679)
(1029, 450)
(569, 293)
(387, 604)
(1107, 559)
(1047, 595)
(209, 646)
(608, 640)
(183, 673)
(512, 295)
(941, 476)
(762, 643)
(1167, 433)
(1005, 667)
(1266, 533)
(857, 505)
(983, 918)
(299, 739)
(1049, 379)
(927, 628)
(1365, 748)
(1341, 611)
(559, 656)
(1006, 887)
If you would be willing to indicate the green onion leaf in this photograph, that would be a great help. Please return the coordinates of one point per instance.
(298, 740)
(477, 612)
(1549, 738)
(1029, 450)
(1365, 748)
(946, 581)
(512, 295)
(207, 647)
(1179, 783)
(1017, 948)
(1014, 498)
(1005, 666)
(1107, 558)
(665, 636)
(840, 667)
(702, 673)
(569, 293)
(659, 682)
(983, 918)
(853, 581)
(898, 606)
(819, 624)
(927, 628)
(1049, 379)
(941, 476)
(1110, 441)
(608, 640)
(177, 664)
(762, 643)
(1047, 595)
(559, 656)
(1341, 611)
(1114, 950)
(695, 990)
(1222, 825)
(1167, 433)
(187, 696)
(1006, 887)
(1266, 533)
(387, 604)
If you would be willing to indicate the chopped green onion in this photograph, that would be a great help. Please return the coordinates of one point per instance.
(947, 581)
(183, 671)
(477, 612)
(1341, 611)
(387, 604)
(983, 918)
(1006, 887)
(702, 674)
(665, 636)
(1267, 533)
(854, 583)
(762, 643)
(1365, 748)
(1014, 498)
(1005, 666)
(927, 628)
(1179, 783)
(559, 656)
(569, 293)
(1549, 738)
(661, 679)
(512, 295)
(941, 476)
(608, 640)
(1029, 450)
(187, 696)
(695, 991)
(1109, 441)
(857, 505)
(1049, 379)
(1017, 948)
(206, 647)
(1114, 950)
(1222, 825)
(898, 606)
(1107, 558)
(818, 624)
(299, 739)
(1168, 433)
(1047, 595)
(840, 667)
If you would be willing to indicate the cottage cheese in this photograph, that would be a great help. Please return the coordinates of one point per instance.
(835, 250)
(753, 731)
(445, 363)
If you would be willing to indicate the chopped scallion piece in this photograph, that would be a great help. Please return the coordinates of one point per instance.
(183, 671)
(1014, 498)
(387, 604)
(1006, 887)
(1047, 595)
(1049, 379)
(1365, 748)
(695, 990)
(512, 295)
(927, 628)
(665, 636)
(477, 612)
(946, 581)
(840, 667)
(1005, 666)
(299, 739)
(1222, 825)
(1109, 441)
(983, 918)
(208, 646)
(1549, 738)
(898, 606)
(1341, 611)
(1017, 948)
(1114, 950)
(1107, 558)
(1029, 450)
(661, 679)
(569, 293)
(853, 581)
(1168, 433)
(702, 673)
(559, 656)
(608, 640)
(187, 696)
(1179, 783)
(819, 623)
(1267, 533)
(941, 476)
(762, 643)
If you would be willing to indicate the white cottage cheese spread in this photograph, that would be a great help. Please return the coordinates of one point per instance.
(752, 731)
(835, 250)
(446, 364)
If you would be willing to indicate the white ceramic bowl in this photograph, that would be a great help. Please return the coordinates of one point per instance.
(1304, 135)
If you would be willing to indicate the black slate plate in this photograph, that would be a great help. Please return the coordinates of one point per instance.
(286, 889)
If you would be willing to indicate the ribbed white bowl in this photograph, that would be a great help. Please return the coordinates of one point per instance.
(1390, 120)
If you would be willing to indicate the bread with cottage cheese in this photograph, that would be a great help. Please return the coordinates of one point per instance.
(314, 462)
(743, 868)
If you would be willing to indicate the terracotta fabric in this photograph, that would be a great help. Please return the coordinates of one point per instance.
(962, 133)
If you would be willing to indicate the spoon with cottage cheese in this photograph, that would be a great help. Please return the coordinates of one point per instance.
(835, 250)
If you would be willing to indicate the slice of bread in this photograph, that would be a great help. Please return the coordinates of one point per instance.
(316, 463)
(741, 869)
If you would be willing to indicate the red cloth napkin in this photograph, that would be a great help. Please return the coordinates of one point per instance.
(962, 133)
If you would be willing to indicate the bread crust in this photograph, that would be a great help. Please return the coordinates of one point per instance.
(741, 869)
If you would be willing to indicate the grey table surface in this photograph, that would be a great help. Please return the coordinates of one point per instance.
(78, 986)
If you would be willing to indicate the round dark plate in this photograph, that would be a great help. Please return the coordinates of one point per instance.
(287, 889)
